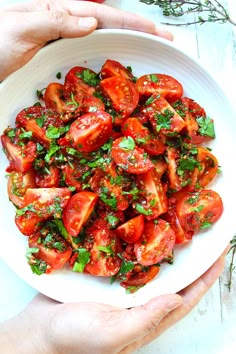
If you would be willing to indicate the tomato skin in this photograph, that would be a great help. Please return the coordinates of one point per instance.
(140, 278)
(165, 85)
(131, 230)
(101, 263)
(142, 136)
(155, 244)
(132, 161)
(47, 251)
(17, 185)
(77, 211)
(89, 132)
(114, 68)
(20, 158)
(199, 210)
(122, 93)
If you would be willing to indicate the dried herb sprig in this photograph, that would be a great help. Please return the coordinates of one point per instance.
(232, 267)
(206, 11)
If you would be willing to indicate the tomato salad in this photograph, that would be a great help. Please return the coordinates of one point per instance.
(108, 173)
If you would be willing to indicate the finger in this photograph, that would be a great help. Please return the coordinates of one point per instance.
(109, 17)
(141, 320)
(41, 27)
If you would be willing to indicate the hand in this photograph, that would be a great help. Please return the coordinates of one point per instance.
(27, 27)
(49, 327)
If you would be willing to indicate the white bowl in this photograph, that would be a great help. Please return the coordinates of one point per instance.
(145, 54)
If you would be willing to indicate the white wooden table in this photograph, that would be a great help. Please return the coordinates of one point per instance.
(210, 328)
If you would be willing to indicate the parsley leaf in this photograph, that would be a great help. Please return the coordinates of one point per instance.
(206, 126)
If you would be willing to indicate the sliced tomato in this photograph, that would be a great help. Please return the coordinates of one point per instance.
(114, 68)
(103, 183)
(92, 104)
(79, 81)
(153, 201)
(28, 223)
(48, 178)
(141, 277)
(162, 115)
(199, 210)
(37, 119)
(104, 261)
(172, 166)
(77, 211)
(55, 99)
(181, 235)
(156, 243)
(89, 132)
(73, 173)
(142, 136)
(122, 93)
(131, 230)
(165, 85)
(52, 248)
(39, 205)
(207, 169)
(17, 185)
(129, 157)
(20, 157)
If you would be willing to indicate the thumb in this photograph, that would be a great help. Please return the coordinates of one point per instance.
(141, 320)
(43, 26)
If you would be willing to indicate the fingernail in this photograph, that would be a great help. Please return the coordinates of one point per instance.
(175, 302)
(161, 32)
(86, 23)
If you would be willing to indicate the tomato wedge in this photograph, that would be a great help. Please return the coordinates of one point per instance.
(17, 185)
(114, 68)
(77, 211)
(207, 169)
(164, 84)
(49, 178)
(140, 278)
(55, 99)
(142, 136)
(79, 81)
(199, 210)
(162, 115)
(52, 249)
(122, 93)
(104, 259)
(156, 243)
(89, 132)
(37, 119)
(20, 157)
(153, 201)
(39, 205)
(129, 157)
(131, 230)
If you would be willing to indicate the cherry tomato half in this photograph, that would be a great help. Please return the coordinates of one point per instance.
(199, 210)
(156, 243)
